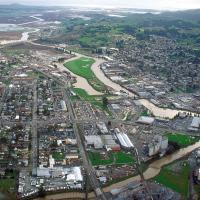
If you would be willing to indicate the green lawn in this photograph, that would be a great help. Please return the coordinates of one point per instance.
(175, 181)
(6, 184)
(82, 67)
(58, 156)
(122, 157)
(118, 158)
(182, 140)
(9, 182)
(96, 159)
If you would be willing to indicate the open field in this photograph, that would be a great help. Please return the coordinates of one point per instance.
(82, 67)
(94, 100)
(177, 181)
(10, 35)
(113, 158)
(182, 140)
(6, 184)
(58, 156)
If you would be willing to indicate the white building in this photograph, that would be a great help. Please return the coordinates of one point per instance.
(146, 120)
(124, 140)
(159, 145)
(94, 140)
(102, 127)
(63, 105)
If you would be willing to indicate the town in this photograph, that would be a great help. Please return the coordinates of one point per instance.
(118, 123)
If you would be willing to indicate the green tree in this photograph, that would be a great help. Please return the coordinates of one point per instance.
(105, 101)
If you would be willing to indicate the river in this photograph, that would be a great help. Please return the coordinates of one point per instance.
(155, 167)
(25, 35)
(152, 171)
(82, 83)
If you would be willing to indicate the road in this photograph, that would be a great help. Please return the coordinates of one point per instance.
(34, 132)
(87, 165)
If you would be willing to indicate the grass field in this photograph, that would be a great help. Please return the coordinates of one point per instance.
(182, 140)
(82, 67)
(173, 180)
(118, 158)
(58, 156)
(6, 184)
(94, 100)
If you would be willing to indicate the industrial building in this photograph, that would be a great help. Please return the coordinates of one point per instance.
(72, 174)
(146, 120)
(94, 141)
(63, 105)
(124, 140)
(195, 124)
(102, 127)
(109, 143)
(158, 145)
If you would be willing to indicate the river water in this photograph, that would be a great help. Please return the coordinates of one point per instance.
(80, 81)
(155, 167)
(156, 111)
(152, 171)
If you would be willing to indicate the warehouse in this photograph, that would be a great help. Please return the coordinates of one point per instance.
(109, 142)
(63, 105)
(94, 140)
(124, 140)
(146, 120)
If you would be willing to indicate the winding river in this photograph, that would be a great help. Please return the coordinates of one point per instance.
(155, 110)
(155, 167)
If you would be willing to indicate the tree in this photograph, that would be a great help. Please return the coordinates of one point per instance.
(41, 192)
(105, 101)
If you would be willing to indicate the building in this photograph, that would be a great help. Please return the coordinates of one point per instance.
(102, 127)
(63, 105)
(124, 140)
(94, 140)
(43, 172)
(109, 143)
(195, 125)
(146, 120)
(158, 146)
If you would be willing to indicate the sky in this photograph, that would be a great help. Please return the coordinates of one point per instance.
(144, 4)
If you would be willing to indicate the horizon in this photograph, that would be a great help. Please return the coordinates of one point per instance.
(177, 5)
